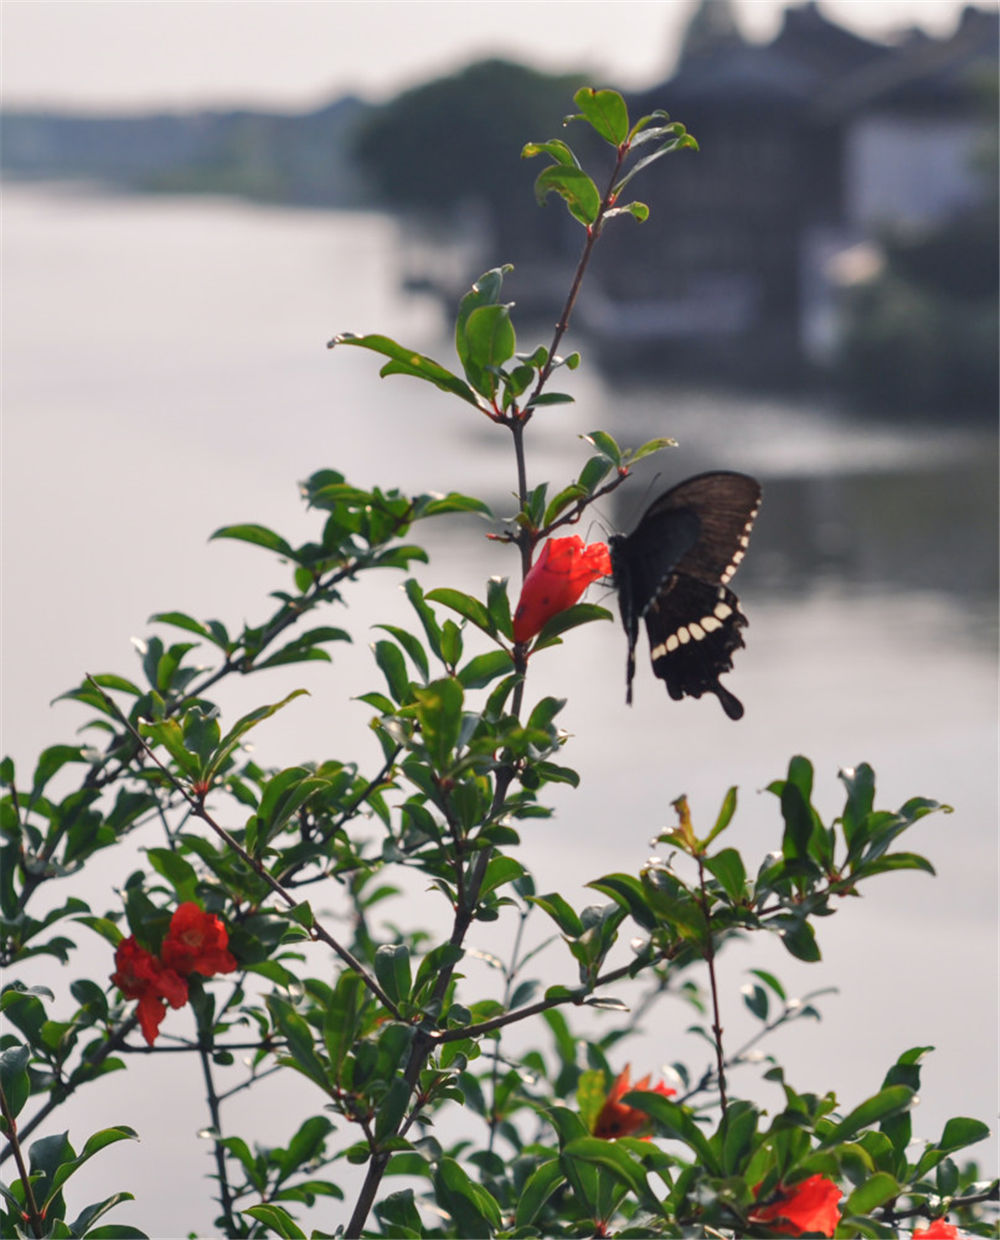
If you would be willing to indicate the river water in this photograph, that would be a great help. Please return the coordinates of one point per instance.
(166, 374)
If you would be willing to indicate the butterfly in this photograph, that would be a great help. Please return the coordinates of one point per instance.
(673, 571)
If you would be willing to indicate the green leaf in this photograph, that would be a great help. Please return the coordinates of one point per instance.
(500, 870)
(392, 968)
(181, 620)
(678, 1122)
(541, 1184)
(770, 980)
(467, 606)
(604, 444)
(178, 872)
(485, 292)
(472, 1208)
(498, 606)
(886, 1102)
(231, 741)
(725, 816)
(876, 1191)
(727, 866)
(405, 361)
(960, 1132)
(411, 645)
(559, 151)
(581, 195)
(614, 1157)
(684, 142)
(738, 1132)
(489, 342)
(798, 937)
(14, 1079)
(552, 398)
(277, 1220)
(631, 894)
(454, 502)
(647, 449)
(638, 210)
(301, 1047)
(860, 784)
(561, 913)
(391, 1109)
(393, 667)
(51, 760)
(258, 536)
(439, 712)
(304, 647)
(571, 618)
(93, 1145)
(604, 111)
(427, 617)
(83, 1224)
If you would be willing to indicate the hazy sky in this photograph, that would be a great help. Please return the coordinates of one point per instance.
(133, 54)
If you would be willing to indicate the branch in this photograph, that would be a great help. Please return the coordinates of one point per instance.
(316, 930)
(31, 1214)
(61, 1091)
(576, 996)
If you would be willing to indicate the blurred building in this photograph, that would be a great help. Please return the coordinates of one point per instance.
(815, 147)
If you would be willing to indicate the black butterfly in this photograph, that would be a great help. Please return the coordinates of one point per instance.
(673, 571)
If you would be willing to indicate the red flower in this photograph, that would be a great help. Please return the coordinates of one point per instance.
(618, 1120)
(141, 976)
(808, 1206)
(197, 943)
(558, 577)
(938, 1230)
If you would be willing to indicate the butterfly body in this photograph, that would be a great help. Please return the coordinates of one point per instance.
(673, 572)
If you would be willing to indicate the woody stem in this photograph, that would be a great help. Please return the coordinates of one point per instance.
(720, 1059)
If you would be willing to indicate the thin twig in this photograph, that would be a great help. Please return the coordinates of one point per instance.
(212, 1098)
(61, 1091)
(316, 929)
(710, 962)
(31, 1214)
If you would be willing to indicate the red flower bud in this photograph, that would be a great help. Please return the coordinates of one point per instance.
(808, 1206)
(618, 1120)
(563, 570)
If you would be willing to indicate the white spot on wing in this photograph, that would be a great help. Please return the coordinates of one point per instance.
(723, 611)
(696, 631)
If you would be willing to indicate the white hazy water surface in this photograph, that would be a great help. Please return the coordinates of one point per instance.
(165, 374)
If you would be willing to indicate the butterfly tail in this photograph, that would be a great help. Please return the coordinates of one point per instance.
(730, 703)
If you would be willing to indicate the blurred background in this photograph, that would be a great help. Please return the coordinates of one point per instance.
(197, 196)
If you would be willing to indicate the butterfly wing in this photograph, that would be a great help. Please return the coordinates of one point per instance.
(673, 571)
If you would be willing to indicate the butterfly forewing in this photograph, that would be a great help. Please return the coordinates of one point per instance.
(672, 571)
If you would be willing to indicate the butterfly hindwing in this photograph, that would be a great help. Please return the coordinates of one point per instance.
(672, 571)
(691, 654)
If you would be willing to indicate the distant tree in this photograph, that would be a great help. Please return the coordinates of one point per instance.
(400, 150)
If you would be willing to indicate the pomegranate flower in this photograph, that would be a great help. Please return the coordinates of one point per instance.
(938, 1230)
(197, 942)
(563, 570)
(810, 1206)
(140, 975)
(618, 1120)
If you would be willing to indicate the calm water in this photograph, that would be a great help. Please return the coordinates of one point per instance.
(166, 374)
